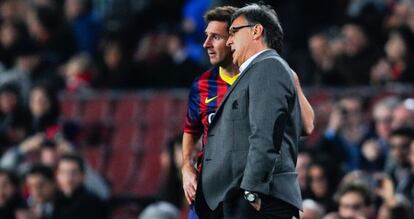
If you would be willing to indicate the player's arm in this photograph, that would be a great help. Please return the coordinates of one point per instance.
(192, 132)
(306, 111)
(188, 170)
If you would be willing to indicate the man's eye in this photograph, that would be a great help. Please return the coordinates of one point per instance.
(217, 37)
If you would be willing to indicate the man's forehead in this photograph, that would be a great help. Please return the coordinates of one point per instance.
(238, 20)
(218, 27)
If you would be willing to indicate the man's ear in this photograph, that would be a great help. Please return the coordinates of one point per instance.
(257, 31)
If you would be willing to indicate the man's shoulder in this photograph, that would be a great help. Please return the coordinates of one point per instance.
(206, 75)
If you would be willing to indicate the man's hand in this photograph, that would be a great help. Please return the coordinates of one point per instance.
(189, 181)
(257, 204)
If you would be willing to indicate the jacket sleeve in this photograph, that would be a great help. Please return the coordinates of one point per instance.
(271, 93)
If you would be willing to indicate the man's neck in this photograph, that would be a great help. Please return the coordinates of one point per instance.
(230, 70)
(256, 49)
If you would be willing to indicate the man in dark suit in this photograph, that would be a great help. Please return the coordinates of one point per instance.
(249, 161)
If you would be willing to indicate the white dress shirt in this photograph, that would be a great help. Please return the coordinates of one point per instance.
(249, 60)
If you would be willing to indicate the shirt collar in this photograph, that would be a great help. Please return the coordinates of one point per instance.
(249, 60)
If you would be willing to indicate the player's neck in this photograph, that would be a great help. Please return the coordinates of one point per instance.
(230, 70)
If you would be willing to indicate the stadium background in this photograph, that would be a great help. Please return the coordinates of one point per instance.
(121, 70)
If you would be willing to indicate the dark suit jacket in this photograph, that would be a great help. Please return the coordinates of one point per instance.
(253, 138)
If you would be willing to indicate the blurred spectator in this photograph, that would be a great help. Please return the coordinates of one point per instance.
(345, 132)
(10, 200)
(397, 166)
(18, 159)
(407, 186)
(28, 69)
(319, 186)
(41, 188)
(399, 14)
(393, 205)
(376, 148)
(12, 9)
(183, 69)
(12, 32)
(193, 25)
(323, 61)
(44, 109)
(382, 117)
(302, 166)
(358, 55)
(403, 115)
(85, 25)
(311, 210)
(398, 63)
(354, 201)
(51, 35)
(73, 200)
(13, 118)
(373, 156)
(171, 184)
(79, 73)
(160, 210)
(116, 68)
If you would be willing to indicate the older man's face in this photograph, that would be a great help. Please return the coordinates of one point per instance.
(240, 39)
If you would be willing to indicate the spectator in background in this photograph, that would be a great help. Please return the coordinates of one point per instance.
(403, 115)
(311, 210)
(51, 35)
(358, 55)
(13, 118)
(160, 210)
(323, 72)
(354, 201)
(302, 166)
(10, 199)
(41, 187)
(85, 25)
(345, 132)
(79, 73)
(12, 9)
(320, 187)
(27, 65)
(183, 70)
(44, 109)
(397, 65)
(115, 66)
(397, 166)
(171, 186)
(374, 150)
(73, 200)
(406, 187)
(193, 26)
(12, 32)
(17, 159)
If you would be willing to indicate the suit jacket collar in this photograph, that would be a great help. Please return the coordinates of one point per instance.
(260, 57)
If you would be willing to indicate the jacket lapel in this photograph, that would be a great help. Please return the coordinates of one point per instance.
(242, 74)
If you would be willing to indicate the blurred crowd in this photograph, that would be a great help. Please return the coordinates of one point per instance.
(358, 163)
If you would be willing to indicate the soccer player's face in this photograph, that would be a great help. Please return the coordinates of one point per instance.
(215, 43)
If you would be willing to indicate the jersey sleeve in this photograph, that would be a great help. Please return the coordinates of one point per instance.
(192, 123)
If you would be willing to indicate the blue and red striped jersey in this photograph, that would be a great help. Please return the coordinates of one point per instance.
(206, 94)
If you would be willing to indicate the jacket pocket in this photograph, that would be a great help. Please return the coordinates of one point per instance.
(236, 106)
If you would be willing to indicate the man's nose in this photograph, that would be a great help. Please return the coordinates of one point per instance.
(229, 41)
(207, 43)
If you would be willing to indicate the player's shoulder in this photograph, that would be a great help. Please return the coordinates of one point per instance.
(206, 75)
